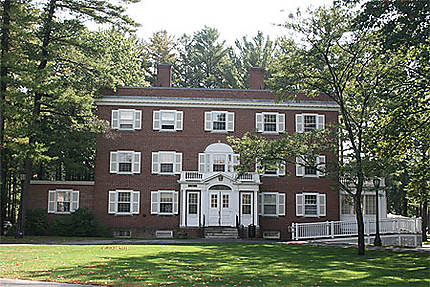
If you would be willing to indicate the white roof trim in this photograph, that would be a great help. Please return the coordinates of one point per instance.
(216, 103)
(46, 182)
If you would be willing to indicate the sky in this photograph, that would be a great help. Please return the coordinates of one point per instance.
(232, 18)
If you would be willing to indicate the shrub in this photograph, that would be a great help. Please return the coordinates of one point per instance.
(36, 222)
(61, 226)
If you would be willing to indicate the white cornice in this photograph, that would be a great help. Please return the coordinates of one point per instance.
(47, 182)
(217, 103)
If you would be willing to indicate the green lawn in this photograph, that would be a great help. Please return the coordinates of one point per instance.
(229, 264)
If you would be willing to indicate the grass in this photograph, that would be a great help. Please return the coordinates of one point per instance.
(227, 264)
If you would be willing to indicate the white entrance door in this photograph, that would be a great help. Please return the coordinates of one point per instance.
(221, 210)
(193, 208)
(246, 208)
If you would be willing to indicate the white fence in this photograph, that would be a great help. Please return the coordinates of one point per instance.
(332, 229)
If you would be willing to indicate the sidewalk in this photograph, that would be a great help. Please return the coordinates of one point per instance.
(18, 282)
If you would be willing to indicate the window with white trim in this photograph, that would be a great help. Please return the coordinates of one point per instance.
(311, 204)
(271, 204)
(217, 162)
(63, 201)
(309, 122)
(346, 205)
(164, 202)
(125, 162)
(270, 122)
(219, 121)
(126, 119)
(271, 169)
(311, 168)
(124, 202)
(167, 120)
(246, 203)
(368, 204)
(166, 162)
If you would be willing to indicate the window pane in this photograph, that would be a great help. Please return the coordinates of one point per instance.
(310, 170)
(246, 199)
(166, 167)
(124, 196)
(370, 207)
(346, 204)
(218, 167)
(246, 204)
(270, 123)
(168, 116)
(126, 119)
(246, 209)
(214, 200)
(123, 207)
(124, 167)
(63, 206)
(310, 123)
(166, 157)
(225, 200)
(166, 207)
(192, 203)
(270, 199)
(269, 209)
(124, 161)
(311, 207)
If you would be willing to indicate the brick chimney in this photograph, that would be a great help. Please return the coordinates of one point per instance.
(164, 75)
(256, 78)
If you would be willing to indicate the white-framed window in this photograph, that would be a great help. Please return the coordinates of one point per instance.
(246, 203)
(126, 119)
(308, 122)
(271, 204)
(166, 162)
(168, 120)
(346, 205)
(124, 202)
(306, 168)
(270, 122)
(368, 204)
(193, 202)
(125, 162)
(219, 121)
(63, 201)
(271, 169)
(164, 202)
(311, 204)
(217, 162)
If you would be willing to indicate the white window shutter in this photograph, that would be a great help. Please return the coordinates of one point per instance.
(136, 161)
(154, 202)
(137, 119)
(281, 169)
(299, 204)
(321, 204)
(259, 122)
(155, 161)
(178, 162)
(175, 202)
(300, 169)
(75, 200)
(202, 162)
(300, 125)
(209, 163)
(281, 122)
(281, 204)
(156, 120)
(135, 202)
(260, 204)
(230, 121)
(112, 202)
(179, 120)
(208, 121)
(115, 119)
(51, 201)
(321, 165)
(113, 162)
(320, 122)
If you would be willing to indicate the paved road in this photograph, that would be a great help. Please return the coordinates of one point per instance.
(17, 283)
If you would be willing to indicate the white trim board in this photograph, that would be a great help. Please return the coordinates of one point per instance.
(217, 103)
(46, 182)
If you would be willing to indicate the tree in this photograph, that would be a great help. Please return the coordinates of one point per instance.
(257, 52)
(54, 35)
(208, 57)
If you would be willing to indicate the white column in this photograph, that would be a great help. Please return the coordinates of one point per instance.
(256, 223)
(183, 207)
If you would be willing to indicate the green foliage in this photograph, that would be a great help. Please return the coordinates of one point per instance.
(36, 222)
(80, 223)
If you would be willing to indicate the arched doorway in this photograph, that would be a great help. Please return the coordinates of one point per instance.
(221, 210)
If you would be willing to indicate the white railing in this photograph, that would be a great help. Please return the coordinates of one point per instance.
(246, 177)
(192, 175)
(332, 229)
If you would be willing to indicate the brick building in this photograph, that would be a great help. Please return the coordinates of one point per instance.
(166, 169)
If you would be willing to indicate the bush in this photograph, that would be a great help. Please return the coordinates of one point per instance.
(36, 222)
(81, 223)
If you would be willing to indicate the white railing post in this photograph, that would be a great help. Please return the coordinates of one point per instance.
(332, 228)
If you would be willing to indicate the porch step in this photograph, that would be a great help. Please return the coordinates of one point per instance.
(221, 233)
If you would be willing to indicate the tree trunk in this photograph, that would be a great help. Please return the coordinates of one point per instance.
(360, 224)
(424, 222)
(3, 87)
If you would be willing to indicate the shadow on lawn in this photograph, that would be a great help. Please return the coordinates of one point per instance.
(248, 265)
